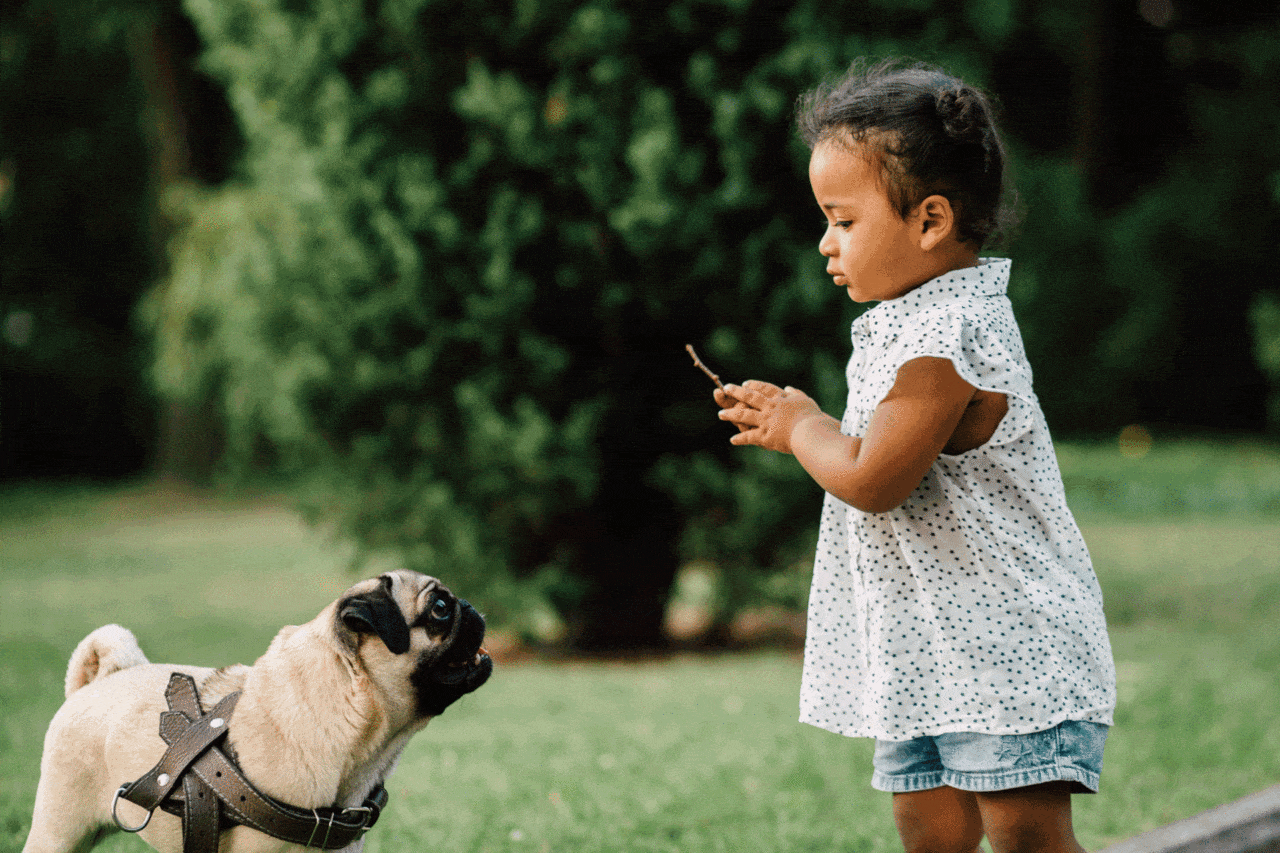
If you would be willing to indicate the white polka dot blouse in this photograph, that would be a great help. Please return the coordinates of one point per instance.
(973, 606)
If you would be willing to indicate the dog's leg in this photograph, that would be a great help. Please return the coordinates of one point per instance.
(73, 803)
(63, 822)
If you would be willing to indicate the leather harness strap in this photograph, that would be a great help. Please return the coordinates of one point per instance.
(185, 748)
(215, 794)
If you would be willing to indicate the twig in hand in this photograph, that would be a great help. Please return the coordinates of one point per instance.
(697, 361)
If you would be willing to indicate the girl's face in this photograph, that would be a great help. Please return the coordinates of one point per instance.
(871, 251)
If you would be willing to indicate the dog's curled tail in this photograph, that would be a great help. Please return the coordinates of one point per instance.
(109, 649)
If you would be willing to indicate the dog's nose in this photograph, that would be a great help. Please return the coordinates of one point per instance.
(468, 609)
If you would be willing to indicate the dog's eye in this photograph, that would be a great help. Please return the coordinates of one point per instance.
(440, 610)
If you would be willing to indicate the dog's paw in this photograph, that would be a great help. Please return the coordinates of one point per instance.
(109, 649)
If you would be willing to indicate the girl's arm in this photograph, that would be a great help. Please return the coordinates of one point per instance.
(875, 472)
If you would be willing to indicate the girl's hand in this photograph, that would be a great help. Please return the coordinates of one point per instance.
(724, 401)
(765, 414)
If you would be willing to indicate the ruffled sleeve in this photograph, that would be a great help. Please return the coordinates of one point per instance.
(980, 337)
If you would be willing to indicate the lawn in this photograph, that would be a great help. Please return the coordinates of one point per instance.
(691, 753)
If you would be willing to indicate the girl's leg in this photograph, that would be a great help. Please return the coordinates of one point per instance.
(938, 820)
(1036, 818)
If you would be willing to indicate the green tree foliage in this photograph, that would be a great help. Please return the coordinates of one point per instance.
(1148, 156)
(452, 283)
(455, 281)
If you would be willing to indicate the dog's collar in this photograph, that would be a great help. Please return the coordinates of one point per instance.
(215, 794)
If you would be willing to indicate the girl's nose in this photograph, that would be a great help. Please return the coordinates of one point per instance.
(827, 245)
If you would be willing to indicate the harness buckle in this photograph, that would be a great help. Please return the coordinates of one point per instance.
(363, 822)
(367, 821)
(115, 801)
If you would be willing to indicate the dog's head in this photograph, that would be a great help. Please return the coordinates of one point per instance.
(408, 629)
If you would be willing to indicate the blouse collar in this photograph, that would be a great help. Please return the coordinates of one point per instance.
(989, 278)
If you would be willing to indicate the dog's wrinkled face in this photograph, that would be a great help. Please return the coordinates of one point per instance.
(426, 638)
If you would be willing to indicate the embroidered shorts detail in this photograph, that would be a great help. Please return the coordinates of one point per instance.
(1070, 752)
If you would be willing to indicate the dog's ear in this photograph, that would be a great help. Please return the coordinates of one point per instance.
(376, 613)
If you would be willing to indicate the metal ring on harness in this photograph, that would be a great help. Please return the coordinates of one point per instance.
(115, 801)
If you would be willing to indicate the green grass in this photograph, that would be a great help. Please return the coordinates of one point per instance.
(686, 754)
(1175, 478)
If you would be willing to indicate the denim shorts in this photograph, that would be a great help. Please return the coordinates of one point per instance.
(1069, 752)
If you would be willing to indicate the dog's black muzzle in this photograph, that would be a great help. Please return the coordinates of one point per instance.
(463, 667)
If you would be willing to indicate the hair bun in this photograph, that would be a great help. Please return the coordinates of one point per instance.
(961, 113)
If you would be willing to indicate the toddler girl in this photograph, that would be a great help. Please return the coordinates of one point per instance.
(954, 614)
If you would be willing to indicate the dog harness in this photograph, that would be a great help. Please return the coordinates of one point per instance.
(196, 780)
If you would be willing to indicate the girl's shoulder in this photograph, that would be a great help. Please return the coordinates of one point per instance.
(976, 321)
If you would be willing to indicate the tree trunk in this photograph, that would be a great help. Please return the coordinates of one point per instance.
(187, 441)
(629, 558)
(1214, 381)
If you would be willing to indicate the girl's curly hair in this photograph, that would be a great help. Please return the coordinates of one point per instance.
(932, 133)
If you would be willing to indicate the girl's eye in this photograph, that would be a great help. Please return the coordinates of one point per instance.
(844, 223)
(440, 610)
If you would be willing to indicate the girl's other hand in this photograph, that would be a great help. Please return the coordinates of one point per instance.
(765, 414)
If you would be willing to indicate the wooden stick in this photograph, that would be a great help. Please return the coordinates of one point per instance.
(697, 361)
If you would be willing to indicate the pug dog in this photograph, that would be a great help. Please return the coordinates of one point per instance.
(321, 719)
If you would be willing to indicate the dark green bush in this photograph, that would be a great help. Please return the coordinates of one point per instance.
(451, 285)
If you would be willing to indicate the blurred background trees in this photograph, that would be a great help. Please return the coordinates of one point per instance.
(436, 262)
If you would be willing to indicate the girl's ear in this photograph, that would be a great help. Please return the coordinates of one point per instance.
(936, 221)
